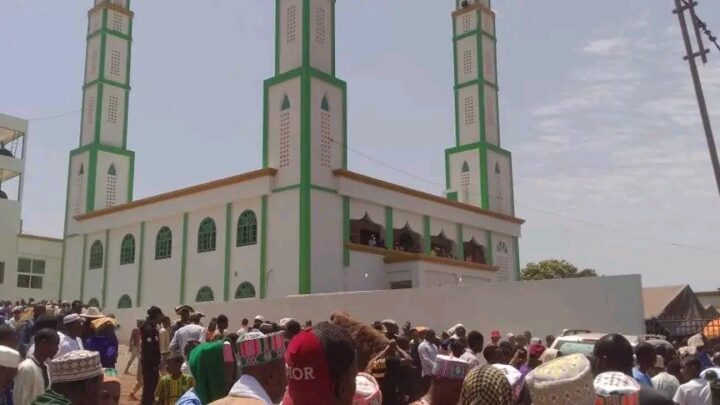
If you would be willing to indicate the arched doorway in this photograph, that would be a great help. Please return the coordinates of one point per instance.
(442, 246)
(365, 231)
(407, 240)
(474, 252)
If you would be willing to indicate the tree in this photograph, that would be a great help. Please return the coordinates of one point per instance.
(553, 269)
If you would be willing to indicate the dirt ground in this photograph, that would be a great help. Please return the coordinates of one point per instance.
(127, 381)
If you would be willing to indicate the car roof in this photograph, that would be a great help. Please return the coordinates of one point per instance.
(593, 337)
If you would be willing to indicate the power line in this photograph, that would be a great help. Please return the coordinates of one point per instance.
(52, 117)
(542, 210)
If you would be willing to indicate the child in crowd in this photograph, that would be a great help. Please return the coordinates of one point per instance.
(173, 385)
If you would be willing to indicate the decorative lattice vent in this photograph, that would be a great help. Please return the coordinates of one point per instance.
(469, 110)
(320, 25)
(290, 24)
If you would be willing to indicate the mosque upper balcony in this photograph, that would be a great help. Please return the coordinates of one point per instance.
(466, 5)
(12, 146)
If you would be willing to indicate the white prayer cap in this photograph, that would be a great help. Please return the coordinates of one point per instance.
(18, 309)
(71, 318)
(9, 357)
(77, 365)
(284, 322)
(259, 318)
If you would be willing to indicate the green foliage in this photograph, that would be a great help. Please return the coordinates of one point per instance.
(553, 269)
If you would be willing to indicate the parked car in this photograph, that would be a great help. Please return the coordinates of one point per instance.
(583, 341)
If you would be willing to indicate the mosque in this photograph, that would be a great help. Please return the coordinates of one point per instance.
(303, 223)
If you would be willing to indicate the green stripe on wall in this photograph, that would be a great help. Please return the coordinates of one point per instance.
(427, 246)
(82, 271)
(346, 229)
(141, 260)
(106, 258)
(489, 249)
(228, 250)
(183, 258)
(389, 242)
(263, 246)
(304, 276)
(460, 245)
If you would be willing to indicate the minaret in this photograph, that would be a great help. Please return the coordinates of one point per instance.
(478, 169)
(101, 168)
(304, 135)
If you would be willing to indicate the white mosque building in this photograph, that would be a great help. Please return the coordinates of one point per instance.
(303, 223)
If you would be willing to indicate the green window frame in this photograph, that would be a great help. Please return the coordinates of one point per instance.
(205, 294)
(247, 229)
(163, 244)
(124, 302)
(2, 272)
(96, 255)
(30, 273)
(93, 302)
(127, 249)
(245, 290)
(207, 236)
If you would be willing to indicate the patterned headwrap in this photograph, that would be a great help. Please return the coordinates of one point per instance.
(486, 386)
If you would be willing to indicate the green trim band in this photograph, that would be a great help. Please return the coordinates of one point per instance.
(478, 145)
(82, 273)
(106, 258)
(474, 82)
(141, 258)
(107, 31)
(474, 33)
(427, 246)
(107, 82)
(306, 33)
(91, 176)
(102, 148)
(183, 258)
(346, 230)
(389, 234)
(228, 235)
(484, 178)
(298, 185)
(263, 245)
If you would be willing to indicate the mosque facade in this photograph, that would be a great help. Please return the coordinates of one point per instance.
(304, 223)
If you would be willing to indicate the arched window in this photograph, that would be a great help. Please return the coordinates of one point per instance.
(247, 229)
(124, 302)
(111, 187)
(205, 294)
(207, 236)
(93, 303)
(245, 290)
(127, 249)
(96, 255)
(163, 243)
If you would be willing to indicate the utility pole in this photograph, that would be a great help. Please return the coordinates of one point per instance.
(680, 7)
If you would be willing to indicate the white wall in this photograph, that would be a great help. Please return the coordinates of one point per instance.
(469, 109)
(290, 46)
(283, 247)
(38, 249)
(122, 279)
(161, 278)
(465, 23)
(469, 45)
(602, 304)
(321, 35)
(326, 242)
(72, 268)
(290, 173)
(245, 260)
(206, 268)
(492, 130)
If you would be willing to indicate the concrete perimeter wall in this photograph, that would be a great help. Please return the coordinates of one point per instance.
(603, 304)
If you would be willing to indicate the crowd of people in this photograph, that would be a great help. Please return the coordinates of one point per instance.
(67, 354)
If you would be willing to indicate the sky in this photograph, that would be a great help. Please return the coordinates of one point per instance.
(610, 162)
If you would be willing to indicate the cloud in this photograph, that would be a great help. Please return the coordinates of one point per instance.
(607, 46)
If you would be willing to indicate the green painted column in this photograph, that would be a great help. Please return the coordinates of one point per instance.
(460, 245)
(427, 242)
(346, 230)
(228, 250)
(389, 234)
(82, 272)
(141, 260)
(183, 258)
(106, 259)
(263, 246)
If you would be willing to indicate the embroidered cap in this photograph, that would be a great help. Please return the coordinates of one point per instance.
(71, 318)
(613, 388)
(564, 381)
(255, 348)
(449, 367)
(75, 366)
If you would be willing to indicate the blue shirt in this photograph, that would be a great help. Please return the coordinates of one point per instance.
(641, 377)
(190, 398)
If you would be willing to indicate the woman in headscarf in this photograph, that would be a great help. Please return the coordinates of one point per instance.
(486, 385)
